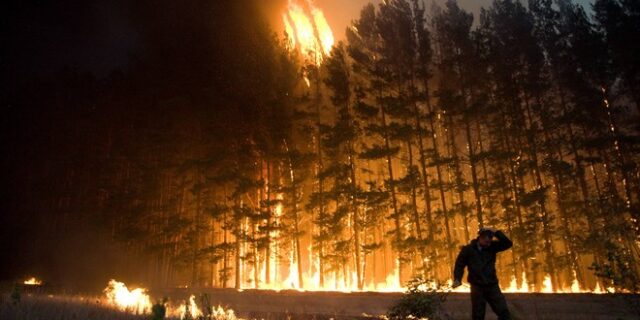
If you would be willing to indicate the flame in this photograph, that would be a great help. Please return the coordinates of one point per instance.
(575, 286)
(33, 282)
(308, 30)
(599, 290)
(325, 34)
(336, 281)
(191, 309)
(136, 300)
(332, 281)
(221, 313)
(547, 286)
(513, 285)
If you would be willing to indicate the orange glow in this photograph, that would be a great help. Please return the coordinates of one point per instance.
(308, 30)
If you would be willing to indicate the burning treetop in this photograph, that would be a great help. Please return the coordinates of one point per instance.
(308, 30)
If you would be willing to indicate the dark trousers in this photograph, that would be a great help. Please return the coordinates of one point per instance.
(480, 296)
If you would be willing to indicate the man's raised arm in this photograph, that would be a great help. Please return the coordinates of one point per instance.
(503, 242)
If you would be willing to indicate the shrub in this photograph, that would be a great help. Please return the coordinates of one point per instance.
(15, 295)
(422, 300)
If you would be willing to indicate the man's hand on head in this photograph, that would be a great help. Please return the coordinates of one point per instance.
(492, 229)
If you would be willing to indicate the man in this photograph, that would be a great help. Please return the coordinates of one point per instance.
(479, 257)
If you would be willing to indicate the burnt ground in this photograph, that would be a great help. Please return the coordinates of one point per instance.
(335, 305)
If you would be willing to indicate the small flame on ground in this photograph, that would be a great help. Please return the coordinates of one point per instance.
(513, 285)
(547, 286)
(120, 296)
(33, 282)
(221, 313)
(189, 309)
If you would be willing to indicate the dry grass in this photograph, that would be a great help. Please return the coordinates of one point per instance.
(50, 307)
(64, 307)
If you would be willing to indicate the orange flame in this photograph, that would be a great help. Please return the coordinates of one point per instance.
(189, 310)
(308, 30)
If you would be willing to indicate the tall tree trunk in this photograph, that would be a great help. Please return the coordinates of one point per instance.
(294, 206)
(267, 258)
(546, 217)
(238, 247)
(474, 175)
(443, 200)
(457, 173)
(359, 261)
(322, 213)
(392, 191)
(425, 182)
(515, 194)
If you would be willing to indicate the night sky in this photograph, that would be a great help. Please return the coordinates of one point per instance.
(100, 35)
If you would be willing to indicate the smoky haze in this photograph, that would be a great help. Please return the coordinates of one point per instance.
(340, 13)
(56, 61)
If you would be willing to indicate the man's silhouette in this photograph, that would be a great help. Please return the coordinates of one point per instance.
(479, 256)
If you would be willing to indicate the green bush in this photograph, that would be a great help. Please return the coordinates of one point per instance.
(422, 300)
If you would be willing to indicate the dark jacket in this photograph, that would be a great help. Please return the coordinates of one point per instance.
(481, 263)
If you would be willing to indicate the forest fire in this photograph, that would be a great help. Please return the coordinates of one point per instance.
(308, 30)
(204, 153)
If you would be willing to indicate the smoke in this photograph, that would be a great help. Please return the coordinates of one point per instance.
(166, 48)
(340, 13)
